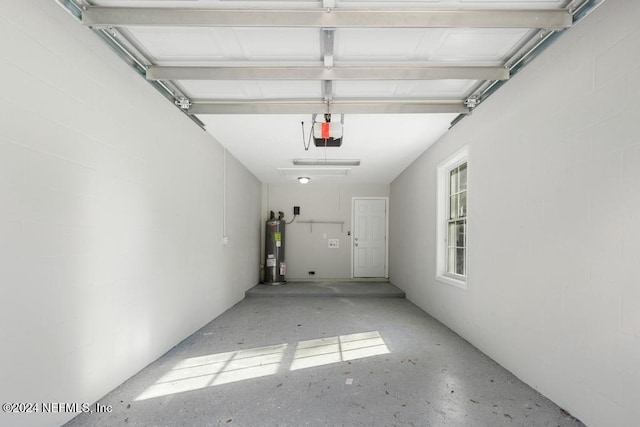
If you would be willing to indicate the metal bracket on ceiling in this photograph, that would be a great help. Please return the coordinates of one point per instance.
(471, 102)
(328, 4)
(183, 103)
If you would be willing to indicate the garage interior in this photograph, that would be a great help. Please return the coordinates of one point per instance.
(144, 144)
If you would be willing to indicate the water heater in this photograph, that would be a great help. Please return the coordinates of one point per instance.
(274, 264)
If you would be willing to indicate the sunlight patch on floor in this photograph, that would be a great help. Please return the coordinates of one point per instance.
(195, 373)
(325, 351)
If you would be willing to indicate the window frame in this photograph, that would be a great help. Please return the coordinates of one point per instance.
(443, 205)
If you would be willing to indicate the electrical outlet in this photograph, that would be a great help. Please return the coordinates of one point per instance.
(334, 243)
(296, 210)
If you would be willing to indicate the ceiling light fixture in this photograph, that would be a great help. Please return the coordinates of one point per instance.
(304, 179)
(329, 162)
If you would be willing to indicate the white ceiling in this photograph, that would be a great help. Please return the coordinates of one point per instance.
(258, 116)
(385, 144)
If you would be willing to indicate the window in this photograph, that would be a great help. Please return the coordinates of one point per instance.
(457, 222)
(452, 219)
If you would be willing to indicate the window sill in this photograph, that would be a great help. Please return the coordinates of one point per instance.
(453, 281)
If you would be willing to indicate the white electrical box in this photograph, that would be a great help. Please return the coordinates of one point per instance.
(334, 243)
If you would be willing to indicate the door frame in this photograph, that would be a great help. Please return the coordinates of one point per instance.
(386, 231)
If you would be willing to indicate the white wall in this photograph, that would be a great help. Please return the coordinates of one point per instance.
(554, 239)
(111, 217)
(306, 248)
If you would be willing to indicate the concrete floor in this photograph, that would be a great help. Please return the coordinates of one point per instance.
(328, 289)
(325, 361)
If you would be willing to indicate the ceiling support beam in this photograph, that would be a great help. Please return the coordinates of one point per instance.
(335, 107)
(328, 43)
(328, 39)
(388, 72)
(326, 18)
(327, 90)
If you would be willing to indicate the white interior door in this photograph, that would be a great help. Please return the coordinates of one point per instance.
(370, 237)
